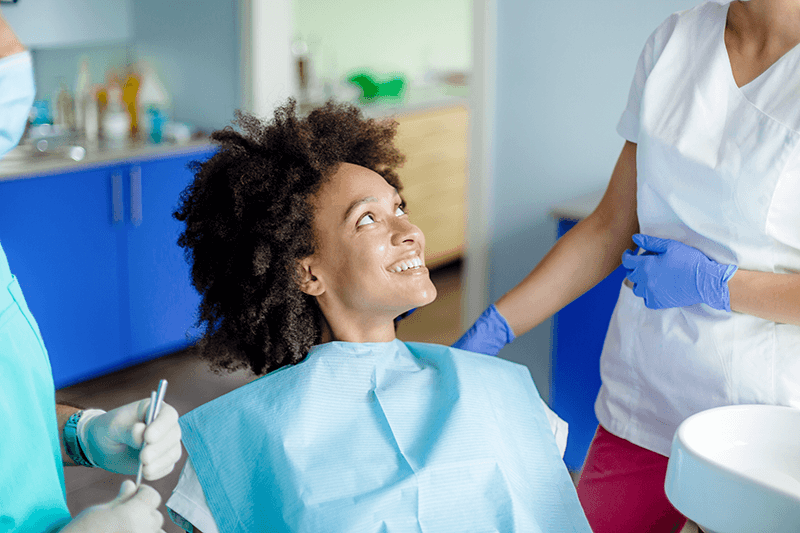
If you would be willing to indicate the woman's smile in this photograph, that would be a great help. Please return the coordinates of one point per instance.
(411, 265)
(370, 260)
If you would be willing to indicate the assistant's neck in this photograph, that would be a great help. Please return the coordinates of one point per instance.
(770, 22)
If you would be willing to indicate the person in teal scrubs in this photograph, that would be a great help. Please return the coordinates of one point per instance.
(39, 437)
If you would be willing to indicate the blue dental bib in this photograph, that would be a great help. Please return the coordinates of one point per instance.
(383, 437)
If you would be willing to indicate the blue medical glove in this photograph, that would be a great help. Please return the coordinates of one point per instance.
(487, 335)
(673, 274)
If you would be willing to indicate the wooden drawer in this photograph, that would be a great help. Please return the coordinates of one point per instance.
(447, 179)
(434, 178)
(443, 153)
(444, 233)
(444, 130)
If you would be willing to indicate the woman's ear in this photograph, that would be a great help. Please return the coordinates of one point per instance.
(309, 283)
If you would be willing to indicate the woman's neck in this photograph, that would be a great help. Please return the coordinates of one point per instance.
(339, 329)
(770, 22)
(758, 33)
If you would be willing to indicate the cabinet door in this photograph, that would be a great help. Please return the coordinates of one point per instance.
(64, 247)
(163, 304)
(434, 178)
(579, 331)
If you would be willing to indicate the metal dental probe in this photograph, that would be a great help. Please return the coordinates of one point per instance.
(156, 399)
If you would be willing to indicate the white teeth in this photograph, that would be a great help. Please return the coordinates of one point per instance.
(402, 266)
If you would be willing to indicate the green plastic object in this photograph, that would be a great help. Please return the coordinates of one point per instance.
(372, 89)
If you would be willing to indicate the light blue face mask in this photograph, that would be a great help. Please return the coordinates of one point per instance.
(16, 98)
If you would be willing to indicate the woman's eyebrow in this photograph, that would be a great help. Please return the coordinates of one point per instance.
(363, 201)
(357, 203)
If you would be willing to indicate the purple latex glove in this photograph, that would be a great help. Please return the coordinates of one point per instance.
(673, 274)
(487, 335)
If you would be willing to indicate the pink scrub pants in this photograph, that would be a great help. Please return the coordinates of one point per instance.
(621, 488)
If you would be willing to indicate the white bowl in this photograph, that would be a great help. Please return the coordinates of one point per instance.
(736, 469)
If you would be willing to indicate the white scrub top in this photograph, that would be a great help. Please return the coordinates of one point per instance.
(718, 168)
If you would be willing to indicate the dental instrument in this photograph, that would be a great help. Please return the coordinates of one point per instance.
(156, 399)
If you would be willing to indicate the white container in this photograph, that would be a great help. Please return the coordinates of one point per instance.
(116, 126)
(736, 469)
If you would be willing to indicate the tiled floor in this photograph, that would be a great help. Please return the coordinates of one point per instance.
(191, 384)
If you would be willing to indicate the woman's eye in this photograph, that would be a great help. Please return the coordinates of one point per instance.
(400, 211)
(366, 219)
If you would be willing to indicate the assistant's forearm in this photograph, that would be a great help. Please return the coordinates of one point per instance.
(579, 261)
(582, 257)
(9, 43)
(766, 295)
(63, 412)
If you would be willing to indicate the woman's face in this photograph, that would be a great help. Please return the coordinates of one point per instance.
(370, 259)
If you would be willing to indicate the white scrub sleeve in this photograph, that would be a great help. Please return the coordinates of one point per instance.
(187, 506)
(628, 125)
(559, 428)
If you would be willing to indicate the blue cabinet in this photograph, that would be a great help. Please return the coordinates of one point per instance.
(62, 245)
(96, 255)
(158, 275)
(579, 331)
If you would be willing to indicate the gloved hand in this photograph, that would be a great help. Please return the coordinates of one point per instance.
(131, 511)
(113, 440)
(487, 335)
(673, 274)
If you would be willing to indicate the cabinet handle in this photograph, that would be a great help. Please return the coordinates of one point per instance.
(136, 195)
(116, 197)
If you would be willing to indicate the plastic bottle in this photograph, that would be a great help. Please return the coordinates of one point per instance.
(65, 110)
(82, 95)
(154, 100)
(116, 121)
(130, 93)
(91, 116)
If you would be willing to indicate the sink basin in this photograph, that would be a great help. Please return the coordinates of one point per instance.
(737, 469)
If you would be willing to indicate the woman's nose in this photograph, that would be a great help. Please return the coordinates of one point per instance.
(405, 232)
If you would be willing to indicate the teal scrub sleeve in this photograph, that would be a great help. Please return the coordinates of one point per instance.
(32, 495)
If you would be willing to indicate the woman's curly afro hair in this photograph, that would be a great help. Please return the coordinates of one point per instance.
(249, 216)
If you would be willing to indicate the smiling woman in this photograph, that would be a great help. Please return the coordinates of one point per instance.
(304, 254)
(369, 266)
(249, 218)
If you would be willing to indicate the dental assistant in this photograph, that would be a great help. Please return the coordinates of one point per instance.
(708, 186)
(39, 437)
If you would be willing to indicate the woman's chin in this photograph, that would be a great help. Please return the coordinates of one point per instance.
(427, 296)
(424, 300)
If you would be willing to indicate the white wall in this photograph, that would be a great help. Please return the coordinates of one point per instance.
(56, 23)
(194, 47)
(267, 76)
(563, 73)
(387, 36)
